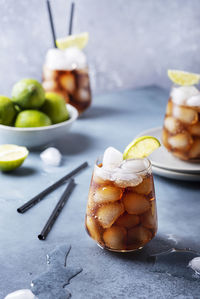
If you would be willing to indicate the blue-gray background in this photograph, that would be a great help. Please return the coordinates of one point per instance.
(132, 42)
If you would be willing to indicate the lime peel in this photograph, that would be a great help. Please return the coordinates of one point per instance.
(141, 147)
(183, 78)
(12, 156)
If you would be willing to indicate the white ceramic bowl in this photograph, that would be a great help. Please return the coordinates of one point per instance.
(36, 137)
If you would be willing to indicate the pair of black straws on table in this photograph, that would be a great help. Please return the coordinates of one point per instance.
(58, 208)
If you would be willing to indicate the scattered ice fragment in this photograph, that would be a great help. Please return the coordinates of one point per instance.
(21, 294)
(194, 264)
(179, 95)
(194, 101)
(112, 158)
(51, 156)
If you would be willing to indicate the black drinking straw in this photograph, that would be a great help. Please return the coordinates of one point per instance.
(51, 23)
(32, 202)
(57, 210)
(71, 18)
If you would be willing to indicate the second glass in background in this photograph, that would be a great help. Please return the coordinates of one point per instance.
(66, 73)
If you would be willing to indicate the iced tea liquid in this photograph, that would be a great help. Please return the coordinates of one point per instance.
(120, 216)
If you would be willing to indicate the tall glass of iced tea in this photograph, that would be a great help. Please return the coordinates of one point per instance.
(121, 210)
(181, 130)
(66, 72)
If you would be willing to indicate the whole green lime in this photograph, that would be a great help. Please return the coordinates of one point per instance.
(32, 118)
(28, 94)
(7, 111)
(55, 107)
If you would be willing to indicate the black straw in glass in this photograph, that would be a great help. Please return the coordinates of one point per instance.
(71, 18)
(57, 210)
(32, 202)
(51, 23)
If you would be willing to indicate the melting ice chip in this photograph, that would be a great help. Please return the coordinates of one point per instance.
(179, 95)
(75, 58)
(112, 158)
(195, 264)
(21, 294)
(137, 165)
(51, 156)
(194, 101)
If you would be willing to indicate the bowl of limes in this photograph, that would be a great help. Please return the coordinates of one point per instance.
(33, 118)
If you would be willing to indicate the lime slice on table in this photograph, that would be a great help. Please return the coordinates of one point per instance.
(141, 147)
(75, 40)
(183, 78)
(12, 156)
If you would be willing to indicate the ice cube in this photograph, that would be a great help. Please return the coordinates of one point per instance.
(108, 213)
(128, 220)
(165, 137)
(149, 219)
(93, 228)
(82, 95)
(169, 108)
(67, 82)
(51, 156)
(21, 294)
(48, 74)
(172, 124)
(137, 165)
(102, 173)
(179, 95)
(139, 234)
(90, 203)
(107, 194)
(180, 141)
(194, 151)
(75, 58)
(124, 179)
(186, 115)
(195, 129)
(145, 187)
(194, 101)
(115, 237)
(135, 203)
(112, 158)
(56, 60)
(195, 264)
(49, 85)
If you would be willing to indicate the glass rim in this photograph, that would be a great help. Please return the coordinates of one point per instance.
(146, 169)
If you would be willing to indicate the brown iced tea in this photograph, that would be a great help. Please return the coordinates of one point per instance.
(121, 216)
(73, 85)
(181, 131)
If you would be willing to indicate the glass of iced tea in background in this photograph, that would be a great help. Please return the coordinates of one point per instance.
(181, 130)
(121, 210)
(66, 72)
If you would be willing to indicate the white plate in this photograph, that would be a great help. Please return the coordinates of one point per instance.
(163, 159)
(176, 175)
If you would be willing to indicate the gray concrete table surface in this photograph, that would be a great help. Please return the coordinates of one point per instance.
(114, 119)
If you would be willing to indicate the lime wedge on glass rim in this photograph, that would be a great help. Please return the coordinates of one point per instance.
(12, 156)
(75, 40)
(141, 147)
(183, 78)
